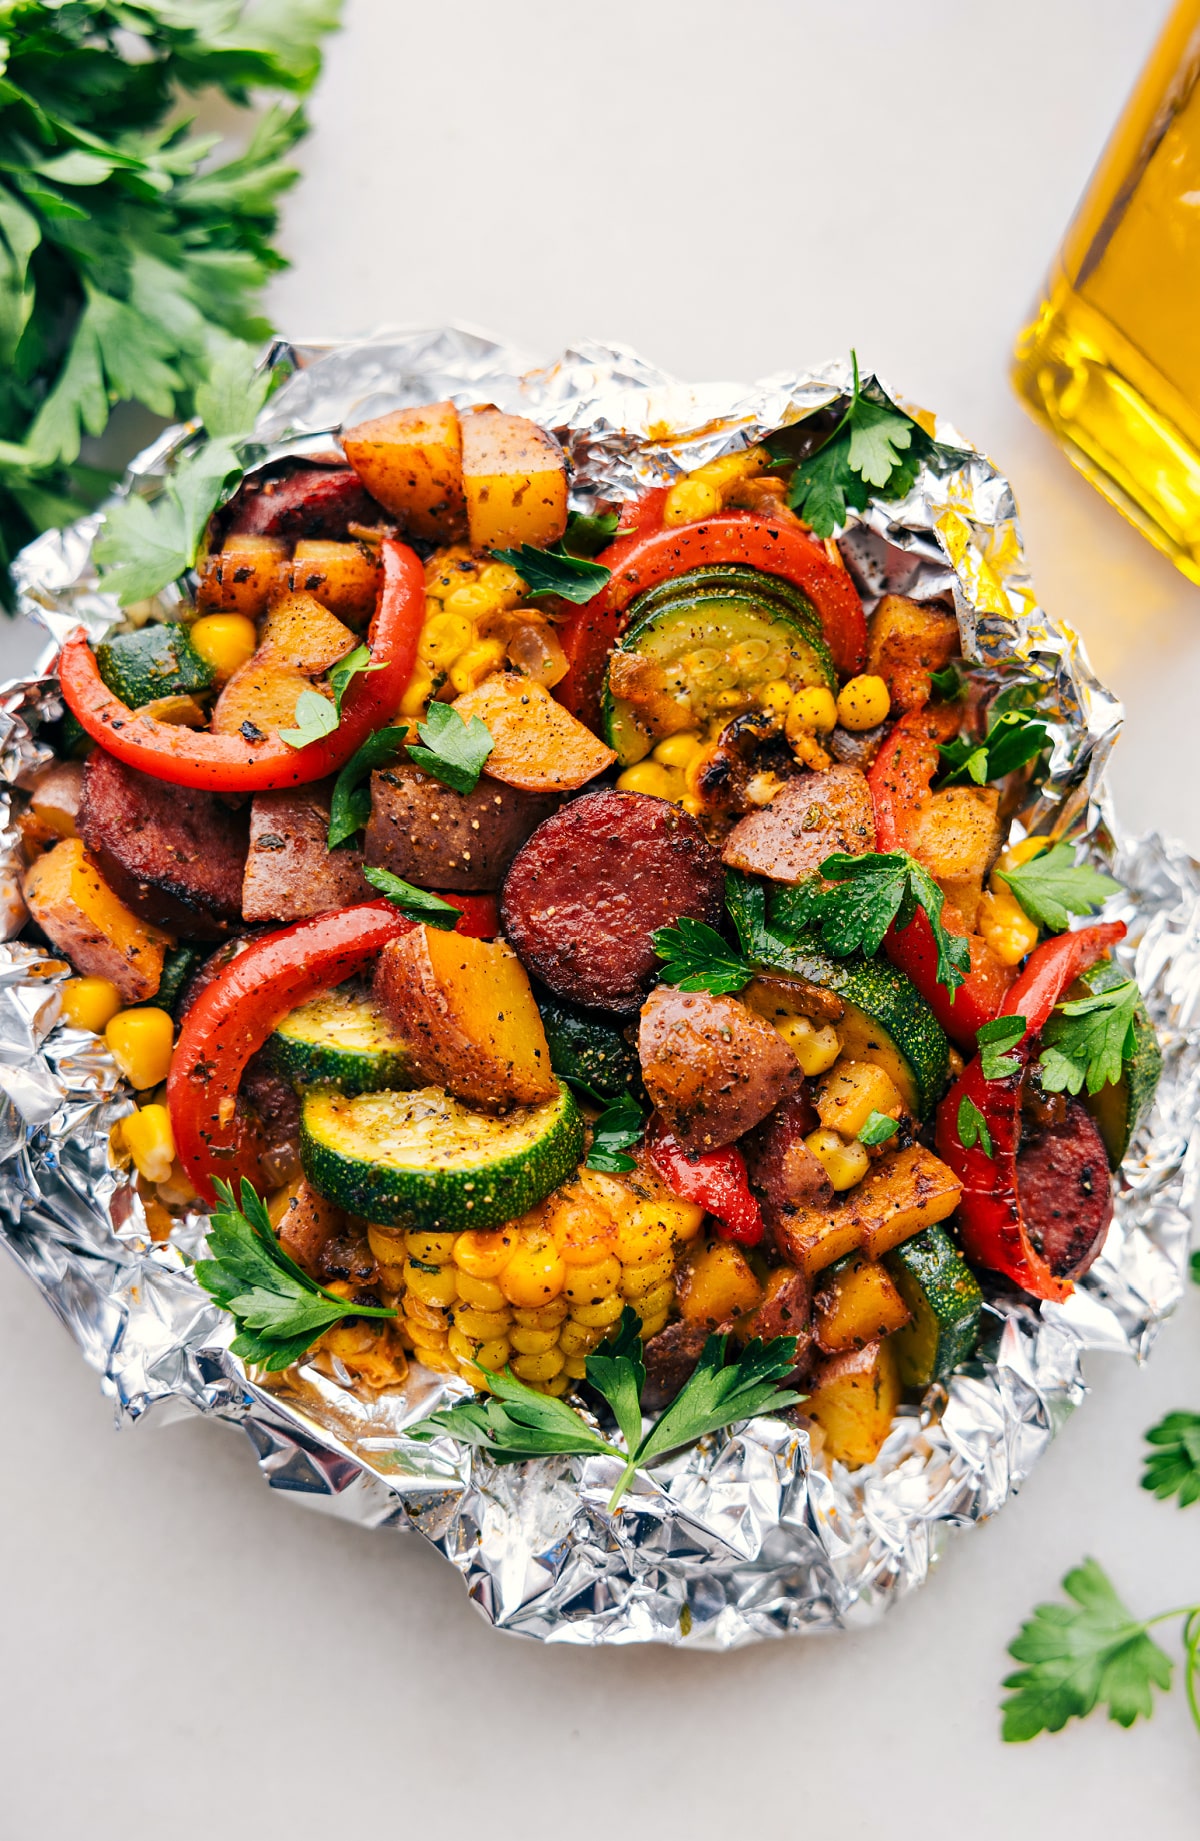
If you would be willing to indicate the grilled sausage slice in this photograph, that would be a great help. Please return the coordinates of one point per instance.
(1065, 1192)
(291, 874)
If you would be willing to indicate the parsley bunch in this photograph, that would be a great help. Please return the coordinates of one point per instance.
(128, 260)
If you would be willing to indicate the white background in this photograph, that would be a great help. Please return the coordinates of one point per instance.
(732, 188)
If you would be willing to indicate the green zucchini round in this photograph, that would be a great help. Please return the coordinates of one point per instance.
(424, 1160)
(945, 1303)
(769, 591)
(340, 1039)
(159, 660)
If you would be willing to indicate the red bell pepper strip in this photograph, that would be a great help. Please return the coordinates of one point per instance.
(639, 561)
(901, 776)
(717, 1180)
(991, 1226)
(235, 1015)
(230, 763)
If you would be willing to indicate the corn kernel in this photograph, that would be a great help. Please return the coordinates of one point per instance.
(438, 1287)
(637, 1280)
(678, 750)
(731, 469)
(863, 702)
(1006, 927)
(644, 1232)
(484, 1255)
(809, 752)
(651, 1326)
(649, 777)
(430, 1249)
(815, 1049)
(494, 1354)
(461, 1346)
(596, 1316)
(811, 711)
(224, 641)
(427, 1314)
(151, 1142)
(592, 1284)
(556, 1386)
(776, 696)
(548, 1317)
(844, 1164)
(582, 1232)
(443, 638)
(503, 584)
(533, 1275)
(176, 1189)
(469, 601)
(689, 500)
(533, 1342)
(140, 1042)
(579, 1338)
(542, 1367)
(482, 1325)
(415, 698)
(1024, 852)
(657, 1303)
(426, 1340)
(480, 1293)
(477, 663)
(90, 1003)
(575, 1367)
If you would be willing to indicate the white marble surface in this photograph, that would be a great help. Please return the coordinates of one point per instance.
(184, 1653)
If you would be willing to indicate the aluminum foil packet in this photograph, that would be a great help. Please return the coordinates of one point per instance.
(746, 1535)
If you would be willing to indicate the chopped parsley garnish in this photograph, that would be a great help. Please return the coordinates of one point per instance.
(555, 570)
(972, 1127)
(416, 904)
(698, 959)
(1014, 737)
(868, 894)
(995, 1039)
(1052, 887)
(619, 1126)
(453, 751)
(877, 1128)
(1088, 1039)
(350, 807)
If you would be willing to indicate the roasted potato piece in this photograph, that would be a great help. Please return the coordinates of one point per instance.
(79, 914)
(412, 462)
(956, 835)
(466, 1008)
(515, 480)
(263, 693)
(857, 1305)
(907, 642)
(904, 1192)
(539, 746)
(853, 1398)
(713, 1068)
(54, 800)
(716, 1285)
(344, 577)
(299, 631)
(239, 578)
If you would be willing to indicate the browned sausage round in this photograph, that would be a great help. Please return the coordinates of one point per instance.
(310, 502)
(174, 855)
(1064, 1190)
(587, 891)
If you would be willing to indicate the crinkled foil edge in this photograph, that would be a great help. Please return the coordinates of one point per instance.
(745, 1536)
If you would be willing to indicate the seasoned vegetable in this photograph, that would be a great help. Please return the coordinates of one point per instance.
(156, 661)
(299, 631)
(241, 577)
(515, 481)
(341, 1039)
(344, 577)
(259, 699)
(78, 913)
(717, 1285)
(857, 1303)
(590, 1050)
(904, 1192)
(424, 1160)
(908, 641)
(537, 745)
(853, 1398)
(945, 1304)
(412, 462)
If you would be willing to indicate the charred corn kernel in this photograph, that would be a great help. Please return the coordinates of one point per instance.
(690, 499)
(151, 1142)
(477, 663)
(809, 752)
(844, 1164)
(224, 641)
(556, 1386)
(480, 1293)
(415, 698)
(581, 1232)
(598, 1316)
(494, 1354)
(863, 702)
(90, 1003)
(575, 1367)
(140, 1043)
(533, 1275)
(678, 750)
(437, 1286)
(811, 711)
(461, 1346)
(547, 1318)
(503, 584)
(484, 1255)
(636, 1281)
(542, 1367)
(657, 1303)
(776, 697)
(469, 601)
(533, 1342)
(430, 1249)
(649, 777)
(482, 1325)
(423, 1316)
(592, 1284)
(1006, 927)
(443, 638)
(578, 1339)
(645, 1231)
(815, 1049)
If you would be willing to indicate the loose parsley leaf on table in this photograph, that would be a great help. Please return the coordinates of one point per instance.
(1173, 1468)
(350, 807)
(877, 1128)
(619, 1126)
(316, 717)
(869, 893)
(995, 1039)
(454, 751)
(555, 570)
(1092, 1652)
(972, 1127)
(1013, 738)
(278, 1309)
(698, 959)
(417, 904)
(1088, 1039)
(1051, 887)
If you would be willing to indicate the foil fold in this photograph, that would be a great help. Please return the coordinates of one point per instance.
(747, 1535)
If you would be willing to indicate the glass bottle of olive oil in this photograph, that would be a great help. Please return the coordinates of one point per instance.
(1112, 361)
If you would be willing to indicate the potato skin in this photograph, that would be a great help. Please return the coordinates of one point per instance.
(412, 462)
(809, 819)
(515, 481)
(291, 874)
(437, 838)
(713, 1068)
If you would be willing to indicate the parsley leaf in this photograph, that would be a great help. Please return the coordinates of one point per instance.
(1173, 1468)
(588, 534)
(1051, 887)
(454, 750)
(1081, 1655)
(515, 1423)
(698, 959)
(877, 1128)
(948, 683)
(617, 1371)
(619, 1126)
(555, 570)
(354, 664)
(316, 717)
(869, 894)
(278, 1309)
(972, 1127)
(350, 807)
(144, 545)
(994, 1039)
(1089, 1039)
(418, 904)
(1013, 738)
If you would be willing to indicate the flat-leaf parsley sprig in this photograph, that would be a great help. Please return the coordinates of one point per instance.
(853, 901)
(556, 570)
(698, 959)
(452, 750)
(517, 1423)
(1052, 887)
(278, 1309)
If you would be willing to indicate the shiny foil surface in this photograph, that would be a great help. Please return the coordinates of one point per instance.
(744, 1536)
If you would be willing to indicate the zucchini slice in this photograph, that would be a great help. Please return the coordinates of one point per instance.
(424, 1160)
(945, 1302)
(340, 1039)
(887, 1021)
(590, 1050)
(1120, 1106)
(705, 651)
(767, 591)
(157, 661)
